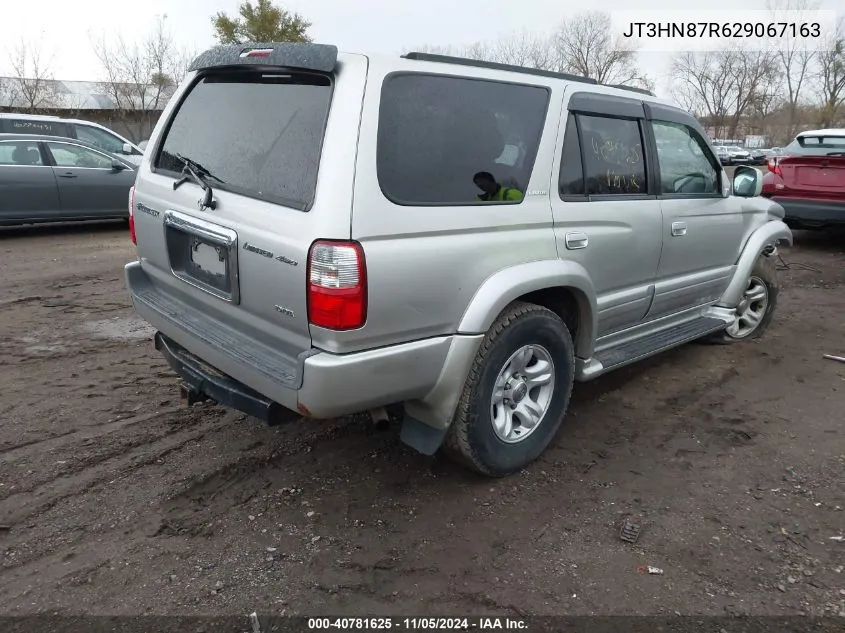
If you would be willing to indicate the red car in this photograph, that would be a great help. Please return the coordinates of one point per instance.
(808, 179)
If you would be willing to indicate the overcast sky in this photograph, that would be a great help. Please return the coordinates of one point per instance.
(64, 28)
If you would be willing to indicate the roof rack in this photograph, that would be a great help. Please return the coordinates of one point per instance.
(631, 88)
(465, 61)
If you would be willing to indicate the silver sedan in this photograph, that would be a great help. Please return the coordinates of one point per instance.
(51, 179)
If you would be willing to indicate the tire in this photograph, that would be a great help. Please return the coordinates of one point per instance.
(764, 274)
(472, 439)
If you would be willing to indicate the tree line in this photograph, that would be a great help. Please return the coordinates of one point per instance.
(775, 91)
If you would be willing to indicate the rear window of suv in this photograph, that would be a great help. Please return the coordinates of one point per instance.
(816, 145)
(260, 134)
(437, 132)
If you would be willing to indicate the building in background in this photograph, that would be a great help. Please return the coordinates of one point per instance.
(131, 110)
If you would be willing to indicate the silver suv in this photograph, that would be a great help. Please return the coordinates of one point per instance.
(320, 234)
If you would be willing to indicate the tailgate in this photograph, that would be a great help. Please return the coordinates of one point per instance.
(814, 175)
(813, 165)
(262, 138)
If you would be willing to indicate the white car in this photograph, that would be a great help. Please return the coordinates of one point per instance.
(86, 131)
(738, 154)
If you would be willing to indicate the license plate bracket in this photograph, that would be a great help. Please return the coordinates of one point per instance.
(203, 255)
(210, 259)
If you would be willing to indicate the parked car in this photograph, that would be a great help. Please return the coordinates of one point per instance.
(808, 179)
(739, 156)
(723, 154)
(85, 131)
(347, 246)
(56, 179)
(759, 156)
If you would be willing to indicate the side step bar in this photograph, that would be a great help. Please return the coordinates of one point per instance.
(632, 351)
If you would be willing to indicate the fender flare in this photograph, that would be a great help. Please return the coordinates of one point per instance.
(771, 233)
(509, 284)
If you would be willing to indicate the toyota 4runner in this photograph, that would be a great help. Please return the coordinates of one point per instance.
(320, 234)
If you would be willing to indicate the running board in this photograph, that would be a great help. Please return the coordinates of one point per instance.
(637, 349)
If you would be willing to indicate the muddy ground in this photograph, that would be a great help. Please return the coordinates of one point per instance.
(116, 499)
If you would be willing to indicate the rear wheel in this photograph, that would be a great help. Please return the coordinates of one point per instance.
(516, 394)
(757, 306)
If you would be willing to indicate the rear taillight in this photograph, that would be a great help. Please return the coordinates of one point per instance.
(337, 285)
(774, 165)
(132, 215)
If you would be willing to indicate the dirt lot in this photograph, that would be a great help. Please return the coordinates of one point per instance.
(116, 499)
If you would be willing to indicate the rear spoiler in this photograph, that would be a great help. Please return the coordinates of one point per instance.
(315, 57)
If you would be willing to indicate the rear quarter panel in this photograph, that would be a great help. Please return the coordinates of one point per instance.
(425, 264)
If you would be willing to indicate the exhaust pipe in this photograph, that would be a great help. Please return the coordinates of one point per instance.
(381, 418)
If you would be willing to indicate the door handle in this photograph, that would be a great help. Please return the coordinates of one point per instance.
(67, 174)
(576, 240)
(679, 229)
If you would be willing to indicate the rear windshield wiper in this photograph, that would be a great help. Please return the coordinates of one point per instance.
(192, 170)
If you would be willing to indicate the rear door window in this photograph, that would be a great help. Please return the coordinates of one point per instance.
(613, 156)
(20, 153)
(260, 134)
(437, 134)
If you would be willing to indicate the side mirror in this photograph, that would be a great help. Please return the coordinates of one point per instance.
(747, 182)
(116, 165)
(127, 149)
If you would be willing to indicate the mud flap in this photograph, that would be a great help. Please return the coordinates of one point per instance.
(420, 436)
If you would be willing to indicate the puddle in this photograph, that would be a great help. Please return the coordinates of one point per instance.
(120, 329)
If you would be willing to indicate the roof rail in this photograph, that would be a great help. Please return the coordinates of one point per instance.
(631, 88)
(465, 61)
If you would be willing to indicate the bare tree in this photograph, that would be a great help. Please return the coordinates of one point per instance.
(725, 85)
(585, 46)
(701, 83)
(32, 87)
(794, 59)
(140, 77)
(831, 77)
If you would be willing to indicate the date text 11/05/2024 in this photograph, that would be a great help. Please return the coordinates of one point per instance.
(417, 624)
(723, 29)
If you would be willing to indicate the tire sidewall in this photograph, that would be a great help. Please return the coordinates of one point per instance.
(543, 329)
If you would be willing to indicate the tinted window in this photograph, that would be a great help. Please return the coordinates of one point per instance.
(816, 145)
(67, 155)
(436, 133)
(100, 138)
(613, 156)
(571, 171)
(20, 153)
(684, 165)
(36, 126)
(261, 134)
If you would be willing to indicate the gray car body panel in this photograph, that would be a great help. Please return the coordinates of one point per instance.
(438, 276)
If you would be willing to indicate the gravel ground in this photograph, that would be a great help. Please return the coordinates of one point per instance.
(114, 498)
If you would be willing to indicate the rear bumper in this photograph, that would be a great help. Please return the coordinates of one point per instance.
(803, 212)
(216, 360)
